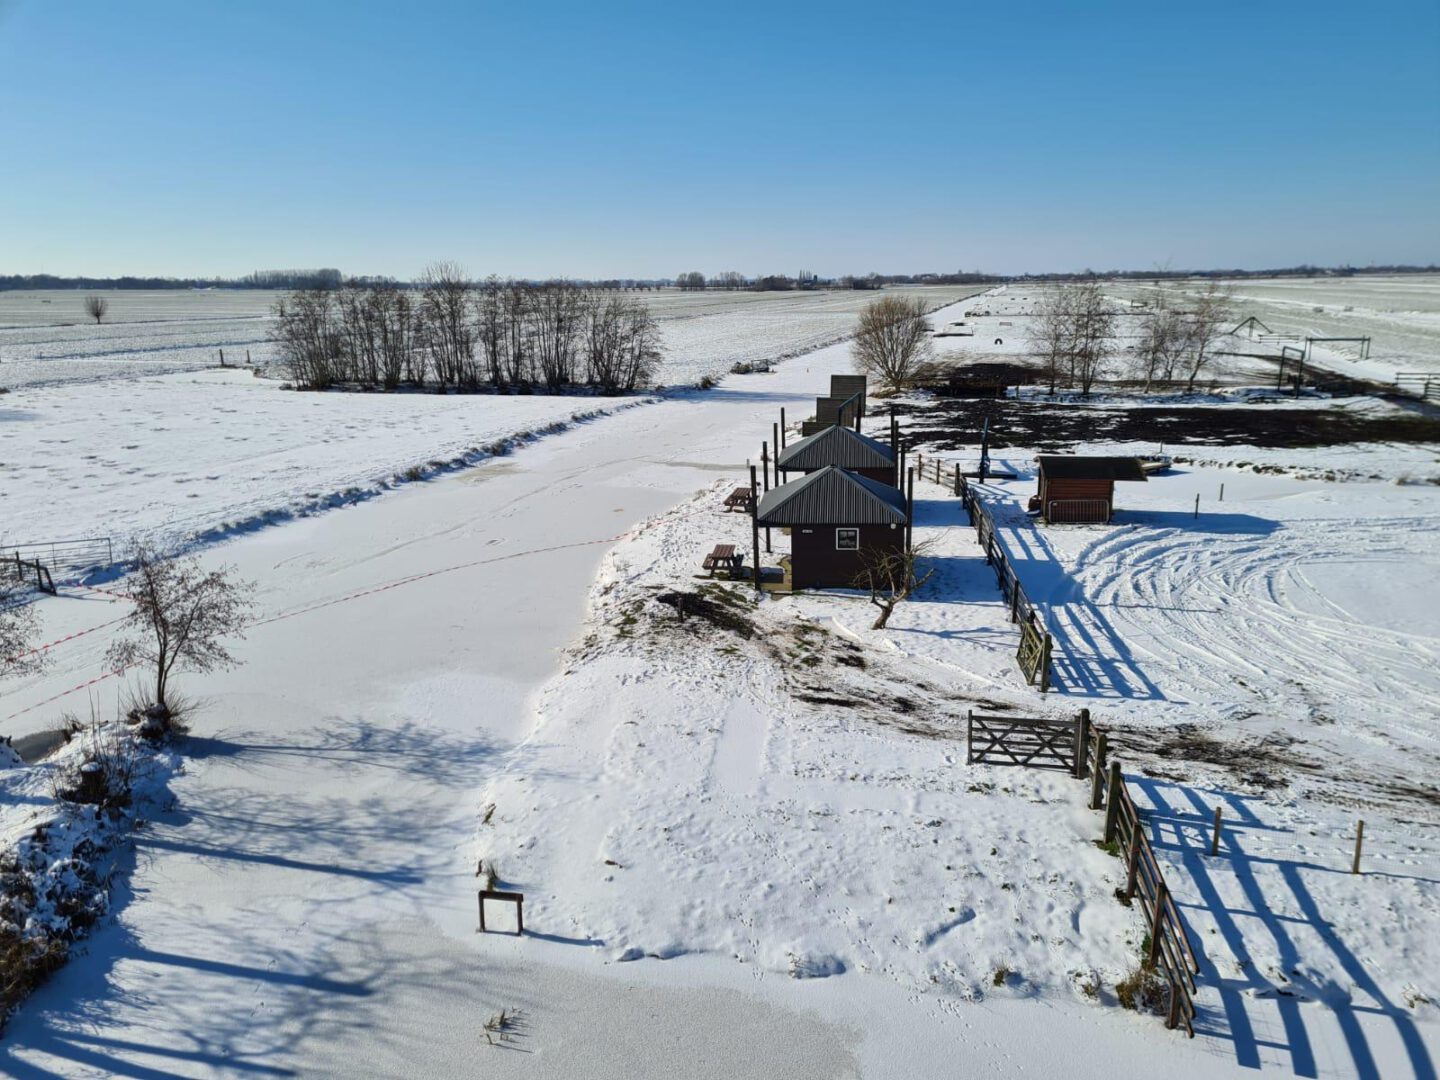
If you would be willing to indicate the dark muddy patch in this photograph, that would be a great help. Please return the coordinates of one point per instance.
(1046, 426)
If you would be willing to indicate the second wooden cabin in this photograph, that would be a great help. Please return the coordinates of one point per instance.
(1077, 490)
(842, 447)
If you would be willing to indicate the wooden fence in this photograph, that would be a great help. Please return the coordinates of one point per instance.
(24, 569)
(1169, 952)
(92, 552)
(1034, 651)
(1081, 749)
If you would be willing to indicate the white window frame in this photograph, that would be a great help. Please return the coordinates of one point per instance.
(841, 547)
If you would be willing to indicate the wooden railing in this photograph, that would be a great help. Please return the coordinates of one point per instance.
(1168, 952)
(1036, 645)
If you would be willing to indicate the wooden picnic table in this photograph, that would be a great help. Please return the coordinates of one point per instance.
(739, 499)
(723, 557)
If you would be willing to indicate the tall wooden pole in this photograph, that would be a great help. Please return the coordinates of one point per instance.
(765, 462)
(782, 427)
(775, 442)
(910, 512)
(755, 526)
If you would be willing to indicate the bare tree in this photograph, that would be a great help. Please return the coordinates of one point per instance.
(19, 625)
(1093, 334)
(96, 307)
(889, 577)
(1204, 326)
(1162, 338)
(892, 341)
(447, 330)
(309, 335)
(1051, 334)
(181, 615)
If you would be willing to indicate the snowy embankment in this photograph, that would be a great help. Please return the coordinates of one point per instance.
(777, 783)
(181, 456)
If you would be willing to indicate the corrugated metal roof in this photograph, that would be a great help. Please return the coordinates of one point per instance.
(836, 446)
(832, 496)
(1074, 467)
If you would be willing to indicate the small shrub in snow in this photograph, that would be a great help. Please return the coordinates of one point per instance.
(1143, 990)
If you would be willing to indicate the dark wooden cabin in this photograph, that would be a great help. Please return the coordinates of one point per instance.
(840, 446)
(835, 517)
(1081, 490)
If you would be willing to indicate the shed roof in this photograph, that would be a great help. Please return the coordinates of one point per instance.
(832, 496)
(1074, 467)
(836, 446)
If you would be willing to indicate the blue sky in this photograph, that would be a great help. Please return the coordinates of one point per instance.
(612, 139)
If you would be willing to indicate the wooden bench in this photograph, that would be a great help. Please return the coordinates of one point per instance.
(739, 499)
(722, 558)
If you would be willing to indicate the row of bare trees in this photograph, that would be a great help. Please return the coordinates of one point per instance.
(1073, 336)
(1178, 334)
(453, 333)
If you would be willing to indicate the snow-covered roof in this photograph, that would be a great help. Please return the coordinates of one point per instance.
(832, 496)
(836, 446)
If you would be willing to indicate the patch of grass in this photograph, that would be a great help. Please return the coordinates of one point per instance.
(1001, 976)
(1143, 990)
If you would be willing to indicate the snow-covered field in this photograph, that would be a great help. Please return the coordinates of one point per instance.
(1401, 314)
(172, 457)
(45, 337)
(479, 669)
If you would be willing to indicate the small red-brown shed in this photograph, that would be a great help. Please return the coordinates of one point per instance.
(1081, 490)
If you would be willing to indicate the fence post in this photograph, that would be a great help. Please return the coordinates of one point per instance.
(957, 478)
(1157, 922)
(1132, 865)
(1045, 662)
(1082, 742)
(1097, 775)
(970, 737)
(1112, 801)
(1215, 837)
(1359, 841)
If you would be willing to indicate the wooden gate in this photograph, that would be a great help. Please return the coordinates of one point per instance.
(1030, 741)
(1034, 655)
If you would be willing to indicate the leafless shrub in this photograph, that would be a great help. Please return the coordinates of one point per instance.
(96, 307)
(180, 616)
(889, 577)
(19, 625)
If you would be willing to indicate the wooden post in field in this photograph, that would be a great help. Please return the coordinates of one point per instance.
(247, 357)
(775, 442)
(1222, 493)
(1046, 643)
(1215, 836)
(1359, 842)
(1197, 504)
(755, 526)
(1097, 778)
(1132, 864)
(957, 478)
(222, 357)
(765, 463)
(970, 737)
(1082, 742)
(782, 427)
(1112, 801)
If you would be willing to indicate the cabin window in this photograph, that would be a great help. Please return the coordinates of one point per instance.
(847, 539)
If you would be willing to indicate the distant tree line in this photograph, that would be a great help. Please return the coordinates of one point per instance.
(449, 332)
(695, 280)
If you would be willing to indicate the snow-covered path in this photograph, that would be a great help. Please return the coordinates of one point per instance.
(306, 908)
